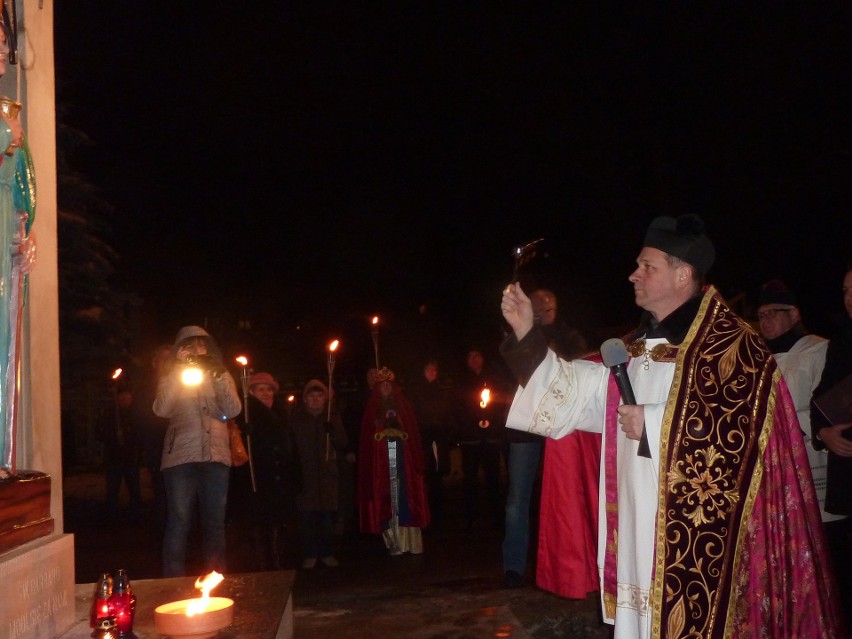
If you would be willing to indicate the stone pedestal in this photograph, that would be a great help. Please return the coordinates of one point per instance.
(38, 589)
(263, 604)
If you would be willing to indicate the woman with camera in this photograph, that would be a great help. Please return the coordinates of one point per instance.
(198, 396)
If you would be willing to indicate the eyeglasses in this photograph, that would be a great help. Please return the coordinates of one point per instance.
(770, 313)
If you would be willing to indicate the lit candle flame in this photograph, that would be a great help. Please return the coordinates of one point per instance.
(333, 346)
(375, 320)
(291, 398)
(117, 373)
(242, 360)
(205, 584)
(486, 397)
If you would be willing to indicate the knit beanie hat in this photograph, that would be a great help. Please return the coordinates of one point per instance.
(263, 378)
(314, 385)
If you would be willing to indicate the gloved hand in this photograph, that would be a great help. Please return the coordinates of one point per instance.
(210, 363)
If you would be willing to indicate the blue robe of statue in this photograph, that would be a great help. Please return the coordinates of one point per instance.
(17, 210)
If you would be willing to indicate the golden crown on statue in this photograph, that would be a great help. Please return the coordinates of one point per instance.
(384, 374)
(10, 109)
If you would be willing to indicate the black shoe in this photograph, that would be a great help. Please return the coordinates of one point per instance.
(513, 579)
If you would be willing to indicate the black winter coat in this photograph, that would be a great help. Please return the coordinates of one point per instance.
(838, 364)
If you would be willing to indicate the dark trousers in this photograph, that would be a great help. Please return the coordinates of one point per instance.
(436, 464)
(130, 475)
(316, 528)
(523, 469)
(487, 455)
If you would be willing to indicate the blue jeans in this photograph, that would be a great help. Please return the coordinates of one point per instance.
(204, 483)
(523, 467)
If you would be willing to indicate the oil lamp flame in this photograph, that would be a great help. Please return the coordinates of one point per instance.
(485, 396)
(205, 585)
(242, 360)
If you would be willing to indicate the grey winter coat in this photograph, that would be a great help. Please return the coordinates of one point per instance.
(197, 415)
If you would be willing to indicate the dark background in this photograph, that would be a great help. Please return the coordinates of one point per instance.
(301, 167)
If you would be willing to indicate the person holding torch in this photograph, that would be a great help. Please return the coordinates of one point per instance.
(320, 437)
(198, 396)
(278, 475)
(482, 435)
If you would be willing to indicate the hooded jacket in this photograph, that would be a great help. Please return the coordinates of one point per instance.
(197, 415)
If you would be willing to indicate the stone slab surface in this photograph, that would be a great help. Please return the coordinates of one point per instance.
(263, 606)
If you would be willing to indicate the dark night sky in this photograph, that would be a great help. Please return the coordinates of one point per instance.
(332, 160)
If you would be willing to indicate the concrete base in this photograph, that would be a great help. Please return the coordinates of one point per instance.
(38, 589)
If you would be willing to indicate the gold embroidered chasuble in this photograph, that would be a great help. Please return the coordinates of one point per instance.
(724, 415)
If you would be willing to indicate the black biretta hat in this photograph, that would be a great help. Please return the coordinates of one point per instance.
(776, 292)
(684, 238)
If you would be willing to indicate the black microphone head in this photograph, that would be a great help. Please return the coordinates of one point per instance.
(614, 352)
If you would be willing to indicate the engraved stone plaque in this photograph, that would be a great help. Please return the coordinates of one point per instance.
(38, 589)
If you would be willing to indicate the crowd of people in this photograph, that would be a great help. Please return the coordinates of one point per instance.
(375, 462)
(748, 462)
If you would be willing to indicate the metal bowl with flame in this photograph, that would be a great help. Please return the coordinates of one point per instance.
(198, 618)
(171, 619)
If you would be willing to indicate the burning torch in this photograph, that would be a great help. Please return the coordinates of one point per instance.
(484, 400)
(242, 360)
(118, 433)
(332, 347)
(374, 333)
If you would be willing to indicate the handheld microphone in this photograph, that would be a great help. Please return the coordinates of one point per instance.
(614, 355)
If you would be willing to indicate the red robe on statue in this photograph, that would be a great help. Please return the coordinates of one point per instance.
(374, 494)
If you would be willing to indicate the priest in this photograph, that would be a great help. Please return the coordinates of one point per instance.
(717, 533)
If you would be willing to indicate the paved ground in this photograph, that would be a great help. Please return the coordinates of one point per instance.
(453, 591)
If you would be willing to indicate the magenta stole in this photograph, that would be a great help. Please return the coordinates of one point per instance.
(739, 543)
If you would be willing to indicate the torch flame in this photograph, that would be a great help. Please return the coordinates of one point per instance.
(486, 397)
(205, 585)
(333, 346)
(117, 373)
(242, 360)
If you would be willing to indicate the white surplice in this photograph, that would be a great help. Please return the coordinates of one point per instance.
(562, 396)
